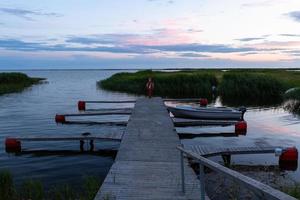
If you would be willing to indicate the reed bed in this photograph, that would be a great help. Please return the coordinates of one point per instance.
(251, 89)
(167, 84)
(15, 82)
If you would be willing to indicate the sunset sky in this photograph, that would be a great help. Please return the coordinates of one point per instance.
(38, 34)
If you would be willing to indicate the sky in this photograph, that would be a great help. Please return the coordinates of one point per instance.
(107, 34)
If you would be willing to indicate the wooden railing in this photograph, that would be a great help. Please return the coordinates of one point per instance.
(262, 191)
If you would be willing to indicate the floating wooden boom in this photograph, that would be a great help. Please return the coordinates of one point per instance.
(178, 122)
(14, 144)
(194, 135)
(120, 112)
(128, 101)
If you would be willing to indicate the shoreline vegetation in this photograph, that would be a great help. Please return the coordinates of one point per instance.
(16, 82)
(235, 87)
(34, 189)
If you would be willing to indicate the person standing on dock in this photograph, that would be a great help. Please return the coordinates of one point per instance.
(150, 87)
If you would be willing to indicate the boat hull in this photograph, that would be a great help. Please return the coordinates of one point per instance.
(222, 114)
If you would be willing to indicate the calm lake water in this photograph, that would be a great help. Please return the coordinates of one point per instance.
(31, 113)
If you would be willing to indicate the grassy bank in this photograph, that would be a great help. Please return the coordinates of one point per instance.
(235, 86)
(15, 82)
(34, 190)
(167, 84)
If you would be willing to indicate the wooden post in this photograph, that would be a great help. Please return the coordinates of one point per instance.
(202, 184)
(226, 159)
(182, 172)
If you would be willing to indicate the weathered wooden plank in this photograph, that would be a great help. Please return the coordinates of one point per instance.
(147, 165)
(117, 112)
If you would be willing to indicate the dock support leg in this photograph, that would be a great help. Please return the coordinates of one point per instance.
(81, 145)
(182, 172)
(202, 184)
(226, 159)
(91, 145)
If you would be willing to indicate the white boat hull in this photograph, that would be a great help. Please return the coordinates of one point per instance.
(206, 113)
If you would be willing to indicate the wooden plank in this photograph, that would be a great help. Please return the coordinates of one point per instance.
(262, 190)
(147, 165)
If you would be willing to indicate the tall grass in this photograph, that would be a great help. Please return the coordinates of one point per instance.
(294, 191)
(15, 82)
(171, 84)
(7, 190)
(250, 89)
(34, 190)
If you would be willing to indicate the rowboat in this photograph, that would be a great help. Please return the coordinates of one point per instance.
(216, 113)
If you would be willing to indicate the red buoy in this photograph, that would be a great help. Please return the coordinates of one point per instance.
(203, 102)
(60, 119)
(288, 160)
(12, 145)
(289, 154)
(241, 128)
(81, 105)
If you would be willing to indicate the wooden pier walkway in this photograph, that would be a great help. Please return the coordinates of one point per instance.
(147, 165)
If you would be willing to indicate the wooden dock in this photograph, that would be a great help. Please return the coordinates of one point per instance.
(209, 151)
(147, 165)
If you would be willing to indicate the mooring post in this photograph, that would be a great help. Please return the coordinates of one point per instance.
(202, 184)
(92, 145)
(182, 172)
(81, 145)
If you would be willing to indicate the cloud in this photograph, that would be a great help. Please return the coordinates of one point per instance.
(258, 4)
(191, 30)
(289, 35)
(248, 39)
(195, 47)
(295, 15)
(27, 14)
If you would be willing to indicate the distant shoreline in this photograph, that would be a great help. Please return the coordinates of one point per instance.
(132, 69)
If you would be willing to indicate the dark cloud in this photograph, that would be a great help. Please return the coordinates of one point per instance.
(27, 14)
(250, 39)
(118, 47)
(194, 55)
(29, 46)
(101, 39)
(295, 15)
